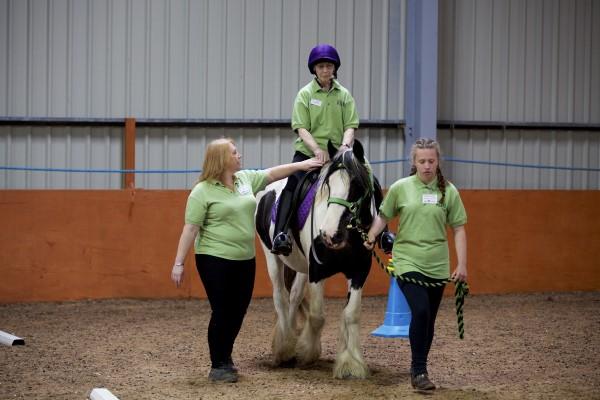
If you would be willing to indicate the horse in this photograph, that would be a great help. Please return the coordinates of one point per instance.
(346, 199)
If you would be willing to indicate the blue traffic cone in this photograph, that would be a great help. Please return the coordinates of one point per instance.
(397, 315)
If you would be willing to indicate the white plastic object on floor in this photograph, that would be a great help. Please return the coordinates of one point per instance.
(10, 340)
(102, 394)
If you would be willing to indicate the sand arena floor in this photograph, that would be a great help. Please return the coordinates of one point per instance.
(530, 346)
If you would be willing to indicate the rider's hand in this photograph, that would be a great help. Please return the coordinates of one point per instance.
(323, 156)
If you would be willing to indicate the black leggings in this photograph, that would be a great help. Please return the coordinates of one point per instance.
(424, 303)
(287, 195)
(228, 285)
(293, 180)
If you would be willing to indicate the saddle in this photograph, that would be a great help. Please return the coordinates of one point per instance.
(302, 200)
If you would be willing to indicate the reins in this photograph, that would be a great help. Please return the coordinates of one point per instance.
(461, 289)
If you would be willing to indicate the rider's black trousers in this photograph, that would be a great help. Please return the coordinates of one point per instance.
(283, 212)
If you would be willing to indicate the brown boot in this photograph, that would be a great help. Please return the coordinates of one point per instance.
(422, 382)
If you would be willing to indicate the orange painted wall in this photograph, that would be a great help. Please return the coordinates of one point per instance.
(67, 245)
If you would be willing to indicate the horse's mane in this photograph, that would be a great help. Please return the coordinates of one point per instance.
(357, 171)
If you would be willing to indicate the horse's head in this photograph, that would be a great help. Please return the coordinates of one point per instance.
(345, 200)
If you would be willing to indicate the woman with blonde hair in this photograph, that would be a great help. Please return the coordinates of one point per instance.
(219, 220)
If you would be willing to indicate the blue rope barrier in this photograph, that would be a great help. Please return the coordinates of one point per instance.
(104, 171)
(195, 171)
(503, 164)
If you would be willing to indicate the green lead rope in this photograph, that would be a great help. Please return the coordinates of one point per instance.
(461, 290)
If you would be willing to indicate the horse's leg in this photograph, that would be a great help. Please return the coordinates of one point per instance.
(296, 298)
(284, 336)
(308, 349)
(349, 362)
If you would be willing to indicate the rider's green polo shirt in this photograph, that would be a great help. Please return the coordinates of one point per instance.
(421, 243)
(326, 115)
(226, 217)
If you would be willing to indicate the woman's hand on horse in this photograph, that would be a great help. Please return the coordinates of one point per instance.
(369, 244)
(177, 274)
(312, 163)
(323, 156)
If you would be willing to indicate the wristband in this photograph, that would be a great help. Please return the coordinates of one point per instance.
(178, 264)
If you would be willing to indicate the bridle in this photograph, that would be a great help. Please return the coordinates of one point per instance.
(353, 207)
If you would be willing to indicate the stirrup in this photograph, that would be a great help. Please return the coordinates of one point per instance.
(282, 244)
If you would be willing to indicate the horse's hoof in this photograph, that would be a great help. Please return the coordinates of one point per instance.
(291, 363)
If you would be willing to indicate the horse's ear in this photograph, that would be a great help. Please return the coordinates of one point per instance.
(331, 149)
(359, 151)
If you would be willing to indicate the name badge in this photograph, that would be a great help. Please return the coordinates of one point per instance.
(243, 190)
(430, 198)
(315, 102)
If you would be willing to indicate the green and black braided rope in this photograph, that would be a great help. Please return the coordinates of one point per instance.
(461, 290)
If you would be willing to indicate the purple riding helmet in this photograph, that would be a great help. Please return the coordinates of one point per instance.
(323, 52)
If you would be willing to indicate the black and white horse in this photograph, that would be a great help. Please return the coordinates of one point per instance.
(330, 241)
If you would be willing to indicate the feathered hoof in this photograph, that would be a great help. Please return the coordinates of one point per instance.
(306, 359)
(290, 363)
(348, 372)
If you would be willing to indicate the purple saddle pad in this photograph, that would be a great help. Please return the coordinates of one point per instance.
(303, 209)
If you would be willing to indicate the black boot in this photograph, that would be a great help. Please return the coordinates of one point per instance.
(386, 241)
(282, 243)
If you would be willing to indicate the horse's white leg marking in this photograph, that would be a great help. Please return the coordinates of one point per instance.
(349, 362)
(308, 349)
(284, 337)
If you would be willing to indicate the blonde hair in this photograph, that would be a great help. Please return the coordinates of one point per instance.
(429, 144)
(216, 158)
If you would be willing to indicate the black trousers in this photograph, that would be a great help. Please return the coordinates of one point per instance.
(424, 303)
(285, 201)
(293, 180)
(229, 285)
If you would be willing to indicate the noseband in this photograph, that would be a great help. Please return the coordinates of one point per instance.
(354, 206)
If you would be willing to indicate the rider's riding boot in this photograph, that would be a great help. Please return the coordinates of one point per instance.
(282, 242)
(386, 242)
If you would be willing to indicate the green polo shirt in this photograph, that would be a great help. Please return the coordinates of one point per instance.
(326, 115)
(421, 243)
(226, 217)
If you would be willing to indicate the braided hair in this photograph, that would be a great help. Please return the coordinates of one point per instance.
(429, 144)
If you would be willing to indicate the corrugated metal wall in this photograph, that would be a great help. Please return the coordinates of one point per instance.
(59, 148)
(183, 149)
(234, 59)
(499, 60)
(519, 158)
(519, 60)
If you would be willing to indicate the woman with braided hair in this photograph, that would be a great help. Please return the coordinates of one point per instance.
(426, 203)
